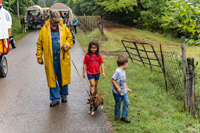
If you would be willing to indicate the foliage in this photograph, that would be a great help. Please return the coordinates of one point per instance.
(70, 4)
(49, 3)
(183, 16)
(11, 5)
(118, 5)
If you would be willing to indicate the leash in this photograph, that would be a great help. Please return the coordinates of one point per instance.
(78, 72)
(74, 66)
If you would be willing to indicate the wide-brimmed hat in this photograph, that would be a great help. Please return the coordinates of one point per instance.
(55, 15)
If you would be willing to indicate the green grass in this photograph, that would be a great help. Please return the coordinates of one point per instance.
(151, 109)
(17, 28)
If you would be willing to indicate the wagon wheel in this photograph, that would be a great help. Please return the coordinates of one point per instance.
(3, 66)
(13, 43)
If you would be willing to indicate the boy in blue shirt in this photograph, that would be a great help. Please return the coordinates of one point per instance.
(120, 89)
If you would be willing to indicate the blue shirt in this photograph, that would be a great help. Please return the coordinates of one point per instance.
(74, 21)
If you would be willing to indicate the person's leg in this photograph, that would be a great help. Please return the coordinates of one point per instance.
(91, 79)
(95, 88)
(117, 105)
(96, 82)
(75, 28)
(55, 94)
(63, 89)
(125, 101)
(92, 86)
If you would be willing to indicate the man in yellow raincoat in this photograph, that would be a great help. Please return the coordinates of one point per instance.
(54, 42)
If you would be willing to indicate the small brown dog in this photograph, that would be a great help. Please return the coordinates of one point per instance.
(94, 102)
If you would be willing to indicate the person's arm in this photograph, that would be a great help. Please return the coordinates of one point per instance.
(102, 69)
(128, 89)
(116, 86)
(84, 68)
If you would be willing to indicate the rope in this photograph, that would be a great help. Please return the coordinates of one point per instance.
(78, 73)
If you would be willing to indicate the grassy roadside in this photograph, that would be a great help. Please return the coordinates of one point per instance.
(17, 28)
(150, 109)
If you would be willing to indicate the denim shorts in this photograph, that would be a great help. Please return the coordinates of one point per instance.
(96, 76)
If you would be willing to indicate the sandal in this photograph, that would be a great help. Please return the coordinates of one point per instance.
(54, 104)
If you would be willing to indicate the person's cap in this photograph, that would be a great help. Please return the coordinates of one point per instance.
(55, 15)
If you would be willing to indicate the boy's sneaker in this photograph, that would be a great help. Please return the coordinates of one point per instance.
(125, 120)
(117, 118)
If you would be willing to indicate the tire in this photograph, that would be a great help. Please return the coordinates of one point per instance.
(13, 43)
(3, 66)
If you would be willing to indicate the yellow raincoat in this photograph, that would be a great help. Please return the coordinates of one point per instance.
(44, 45)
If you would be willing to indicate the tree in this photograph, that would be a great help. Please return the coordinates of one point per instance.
(119, 5)
(70, 4)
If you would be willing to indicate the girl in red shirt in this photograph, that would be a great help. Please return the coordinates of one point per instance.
(92, 61)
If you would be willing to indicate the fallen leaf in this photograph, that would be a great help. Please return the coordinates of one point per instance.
(165, 113)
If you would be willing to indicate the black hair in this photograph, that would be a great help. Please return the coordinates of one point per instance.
(90, 45)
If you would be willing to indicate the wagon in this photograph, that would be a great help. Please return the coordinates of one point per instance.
(6, 37)
(66, 14)
(34, 16)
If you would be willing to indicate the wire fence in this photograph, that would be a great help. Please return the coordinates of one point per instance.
(88, 23)
(174, 73)
(173, 70)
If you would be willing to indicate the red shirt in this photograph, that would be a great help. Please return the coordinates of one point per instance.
(93, 62)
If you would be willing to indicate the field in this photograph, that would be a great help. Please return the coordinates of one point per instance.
(151, 109)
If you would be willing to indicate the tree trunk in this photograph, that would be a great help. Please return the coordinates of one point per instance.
(18, 8)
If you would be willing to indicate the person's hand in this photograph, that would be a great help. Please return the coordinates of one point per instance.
(65, 47)
(103, 74)
(40, 60)
(84, 75)
(129, 90)
(119, 90)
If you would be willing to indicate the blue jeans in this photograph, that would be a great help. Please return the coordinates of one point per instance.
(118, 99)
(75, 29)
(59, 91)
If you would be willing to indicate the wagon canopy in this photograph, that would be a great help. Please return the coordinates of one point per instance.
(35, 9)
(60, 7)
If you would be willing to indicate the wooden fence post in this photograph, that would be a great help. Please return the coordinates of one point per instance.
(190, 85)
(184, 72)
